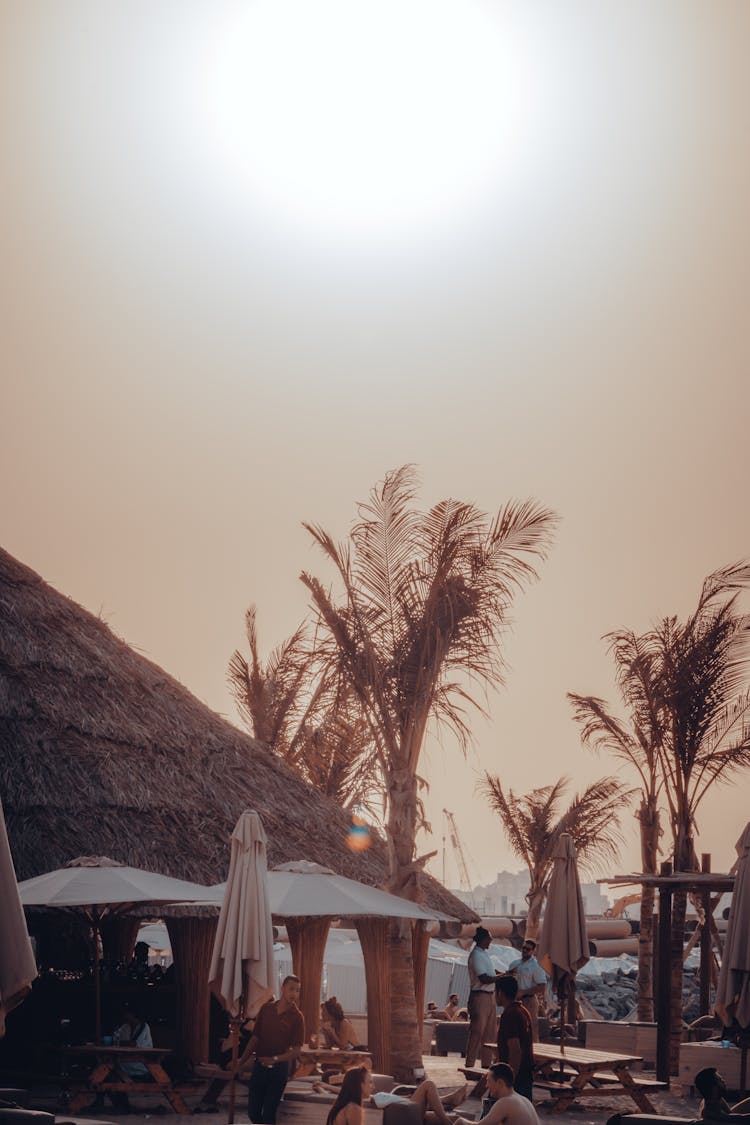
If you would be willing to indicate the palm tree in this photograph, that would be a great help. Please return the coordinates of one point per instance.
(701, 669)
(638, 745)
(694, 686)
(297, 704)
(425, 598)
(533, 824)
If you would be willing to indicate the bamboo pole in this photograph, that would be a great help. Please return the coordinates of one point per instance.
(664, 982)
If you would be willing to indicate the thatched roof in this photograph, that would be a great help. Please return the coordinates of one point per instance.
(102, 752)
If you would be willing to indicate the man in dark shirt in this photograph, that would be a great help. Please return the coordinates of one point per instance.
(277, 1038)
(515, 1036)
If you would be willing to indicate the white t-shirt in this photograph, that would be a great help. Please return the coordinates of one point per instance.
(480, 964)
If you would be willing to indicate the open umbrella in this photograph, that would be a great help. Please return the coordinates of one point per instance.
(733, 989)
(303, 889)
(563, 943)
(242, 966)
(97, 887)
(17, 964)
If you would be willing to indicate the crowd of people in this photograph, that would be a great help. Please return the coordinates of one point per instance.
(278, 1035)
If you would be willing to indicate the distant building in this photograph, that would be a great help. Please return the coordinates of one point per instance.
(507, 896)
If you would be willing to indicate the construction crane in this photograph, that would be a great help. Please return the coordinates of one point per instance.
(455, 839)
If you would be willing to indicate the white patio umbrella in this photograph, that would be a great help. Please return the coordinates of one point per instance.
(302, 889)
(242, 964)
(563, 942)
(96, 887)
(733, 988)
(17, 964)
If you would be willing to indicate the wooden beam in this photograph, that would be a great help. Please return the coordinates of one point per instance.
(663, 981)
(705, 962)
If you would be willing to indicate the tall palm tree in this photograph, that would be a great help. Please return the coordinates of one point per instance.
(701, 669)
(637, 744)
(299, 706)
(425, 598)
(534, 822)
(695, 684)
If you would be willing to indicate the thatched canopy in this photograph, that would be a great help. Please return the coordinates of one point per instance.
(102, 752)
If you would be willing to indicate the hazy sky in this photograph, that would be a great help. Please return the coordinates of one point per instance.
(254, 256)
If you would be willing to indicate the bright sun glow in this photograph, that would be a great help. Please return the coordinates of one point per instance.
(360, 121)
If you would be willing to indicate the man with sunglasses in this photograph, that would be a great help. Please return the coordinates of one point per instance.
(532, 982)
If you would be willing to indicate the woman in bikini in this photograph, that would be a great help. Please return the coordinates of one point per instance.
(357, 1088)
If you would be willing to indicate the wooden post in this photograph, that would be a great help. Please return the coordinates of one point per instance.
(307, 939)
(420, 945)
(663, 979)
(705, 964)
(192, 941)
(374, 937)
(654, 960)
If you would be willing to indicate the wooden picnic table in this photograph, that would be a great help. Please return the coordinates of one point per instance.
(571, 1073)
(107, 1077)
(328, 1058)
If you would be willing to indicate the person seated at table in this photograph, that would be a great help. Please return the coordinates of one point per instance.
(434, 1013)
(554, 1014)
(132, 1032)
(357, 1088)
(209, 1103)
(453, 1007)
(335, 1029)
(508, 1107)
(714, 1107)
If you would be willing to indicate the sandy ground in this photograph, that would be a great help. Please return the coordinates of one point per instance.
(443, 1072)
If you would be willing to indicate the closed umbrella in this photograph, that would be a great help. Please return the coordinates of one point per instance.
(242, 966)
(17, 965)
(563, 943)
(733, 988)
(96, 887)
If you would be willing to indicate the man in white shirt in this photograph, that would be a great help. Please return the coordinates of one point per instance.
(532, 982)
(482, 1009)
(509, 1107)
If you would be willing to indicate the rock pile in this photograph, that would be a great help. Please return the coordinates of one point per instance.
(614, 992)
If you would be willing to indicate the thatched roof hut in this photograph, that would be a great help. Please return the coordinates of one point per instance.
(102, 752)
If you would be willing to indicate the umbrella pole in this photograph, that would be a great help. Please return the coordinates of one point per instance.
(234, 1031)
(95, 924)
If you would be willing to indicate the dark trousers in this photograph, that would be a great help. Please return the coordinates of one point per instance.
(524, 1087)
(265, 1092)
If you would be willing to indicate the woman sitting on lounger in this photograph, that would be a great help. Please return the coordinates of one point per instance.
(336, 1030)
(357, 1088)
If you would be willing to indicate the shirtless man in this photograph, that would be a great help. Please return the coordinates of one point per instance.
(712, 1088)
(510, 1108)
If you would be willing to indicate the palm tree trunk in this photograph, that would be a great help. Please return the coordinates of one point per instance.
(406, 1046)
(648, 817)
(535, 899)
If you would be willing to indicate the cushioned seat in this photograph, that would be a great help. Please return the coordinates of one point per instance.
(451, 1035)
(402, 1113)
